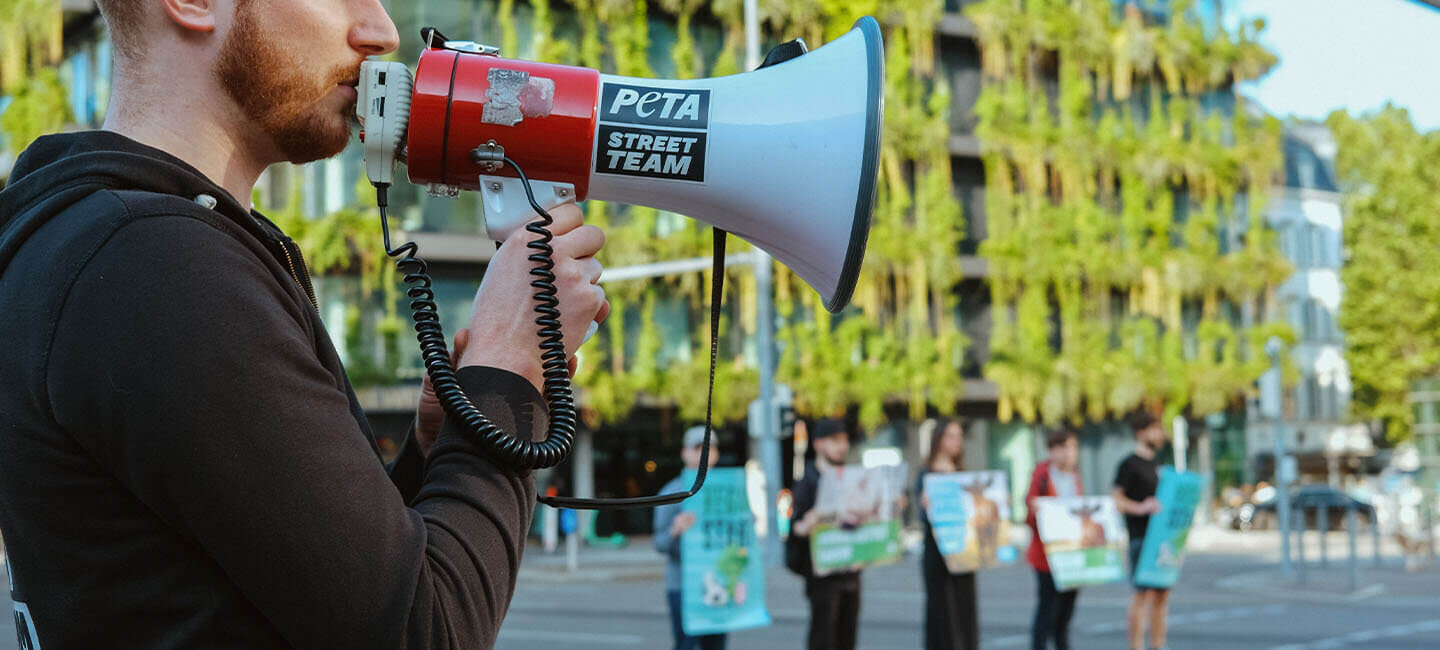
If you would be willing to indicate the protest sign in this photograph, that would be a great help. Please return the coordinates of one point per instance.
(721, 568)
(859, 525)
(970, 515)
(1164, 548)
(1084, 540)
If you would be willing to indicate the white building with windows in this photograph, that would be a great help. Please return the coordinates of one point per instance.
(1307, 215)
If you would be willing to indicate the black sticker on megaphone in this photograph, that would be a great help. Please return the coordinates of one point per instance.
(656, 153)
(677, 107)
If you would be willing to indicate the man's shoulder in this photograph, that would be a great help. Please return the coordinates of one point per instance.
(678, 484)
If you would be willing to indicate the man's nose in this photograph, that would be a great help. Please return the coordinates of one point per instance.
(373, 33)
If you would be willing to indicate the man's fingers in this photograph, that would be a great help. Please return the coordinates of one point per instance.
(462, 339)
(604, 312)
(590, 269)
(580, 242)
(567, 217)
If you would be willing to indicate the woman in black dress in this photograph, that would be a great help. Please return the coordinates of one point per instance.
(951, 613)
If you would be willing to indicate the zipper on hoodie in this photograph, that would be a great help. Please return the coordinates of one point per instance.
(302, 277)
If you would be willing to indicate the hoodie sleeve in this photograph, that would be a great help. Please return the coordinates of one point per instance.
(183, 366)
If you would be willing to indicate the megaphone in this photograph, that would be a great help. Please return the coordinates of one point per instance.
(784, 157)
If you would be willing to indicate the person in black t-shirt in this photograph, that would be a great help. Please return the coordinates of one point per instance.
(835, 598)
(1134, 493)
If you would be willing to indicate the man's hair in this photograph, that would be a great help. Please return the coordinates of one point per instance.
(1141, 420)
(122, 18)
(829, 427)
(1058, 437)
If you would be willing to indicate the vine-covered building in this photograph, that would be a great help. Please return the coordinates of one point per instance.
(966, 307)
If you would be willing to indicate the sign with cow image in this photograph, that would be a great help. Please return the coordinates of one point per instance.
(969, 513)
(1164, 548)
(1084, 540)
(722, 575)
(859, 518)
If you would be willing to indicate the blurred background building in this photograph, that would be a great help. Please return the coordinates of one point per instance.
(638, 453)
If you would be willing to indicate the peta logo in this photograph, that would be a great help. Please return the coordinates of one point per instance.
(655, 106)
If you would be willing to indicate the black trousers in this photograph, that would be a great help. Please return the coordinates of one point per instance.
(834, 611)
(952, 617)
(1052, 614)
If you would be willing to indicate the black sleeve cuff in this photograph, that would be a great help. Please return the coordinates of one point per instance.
(508, 400)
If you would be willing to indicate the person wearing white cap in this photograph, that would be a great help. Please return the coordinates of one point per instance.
(670, 523)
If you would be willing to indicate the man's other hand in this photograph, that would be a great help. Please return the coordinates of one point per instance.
(431, 414)
(503, 321)
(682, 523)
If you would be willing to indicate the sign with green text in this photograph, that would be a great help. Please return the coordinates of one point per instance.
(859, 524)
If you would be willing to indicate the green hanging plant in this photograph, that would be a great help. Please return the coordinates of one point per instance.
(1081, 200)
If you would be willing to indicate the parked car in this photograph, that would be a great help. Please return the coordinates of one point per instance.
(1310, 498)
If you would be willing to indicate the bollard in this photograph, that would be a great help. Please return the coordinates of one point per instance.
(1375, 534)
(1430, 528)
(1299, 526)
(1322, 523)
(1351, 522)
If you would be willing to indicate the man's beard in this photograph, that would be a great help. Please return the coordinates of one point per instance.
(278, 96)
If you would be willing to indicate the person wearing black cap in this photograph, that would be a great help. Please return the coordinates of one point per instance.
(670, 523)
(834, 599)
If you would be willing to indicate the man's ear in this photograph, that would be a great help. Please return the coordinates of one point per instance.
(192, 15)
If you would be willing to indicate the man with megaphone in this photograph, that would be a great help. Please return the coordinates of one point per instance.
(184, 463)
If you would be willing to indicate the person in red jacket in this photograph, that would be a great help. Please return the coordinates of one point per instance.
(1054, 477)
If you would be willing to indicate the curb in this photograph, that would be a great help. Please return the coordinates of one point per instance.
(591, 574)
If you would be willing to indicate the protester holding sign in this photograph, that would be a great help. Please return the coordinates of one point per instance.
(1164, 548)
(1054, 477)
(951, 611)
(835, 598)
(1134, 493)
(722, 571)
(671, 522)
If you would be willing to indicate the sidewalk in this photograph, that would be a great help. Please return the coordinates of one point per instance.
(637, 560)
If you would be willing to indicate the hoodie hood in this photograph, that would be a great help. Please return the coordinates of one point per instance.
(59, 170)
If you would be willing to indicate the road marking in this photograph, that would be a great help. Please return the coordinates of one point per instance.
(1099, 629)
(576, 638)
(1364, 636)
(1104, 628)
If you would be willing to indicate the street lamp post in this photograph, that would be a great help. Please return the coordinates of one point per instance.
(767, 436)
(1271, 408)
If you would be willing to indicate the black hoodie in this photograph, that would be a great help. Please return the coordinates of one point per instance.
(182, 460)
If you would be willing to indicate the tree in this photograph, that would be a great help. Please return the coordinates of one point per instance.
(1391, 311)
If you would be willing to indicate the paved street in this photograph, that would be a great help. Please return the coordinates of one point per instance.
(1230, 596)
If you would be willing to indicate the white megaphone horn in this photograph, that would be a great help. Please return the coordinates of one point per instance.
(785, 156)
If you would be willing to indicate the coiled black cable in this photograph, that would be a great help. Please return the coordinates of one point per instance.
(513, 451)
(510, 450)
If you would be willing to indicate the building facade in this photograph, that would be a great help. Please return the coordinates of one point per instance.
(636, 456)
(1306, 212)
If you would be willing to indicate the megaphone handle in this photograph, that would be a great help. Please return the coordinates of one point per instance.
(508, 209)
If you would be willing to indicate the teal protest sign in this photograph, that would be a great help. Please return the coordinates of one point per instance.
(722, 571)
(1164, 546)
